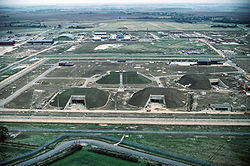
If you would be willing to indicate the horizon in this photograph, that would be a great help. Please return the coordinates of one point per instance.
(114, 2)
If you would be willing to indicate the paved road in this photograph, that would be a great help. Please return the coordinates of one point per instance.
(223, 56)
(129, 131)
(27, 86)
(240, 70)
(65, 78)
(21, 73)
(125, 120)
(217, 51)
(24, 59)
(101, 144)
(123, 111)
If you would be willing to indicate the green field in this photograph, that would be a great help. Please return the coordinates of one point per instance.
(85, 157)
(94, 97)
(9, 151)
(128, 78)
(164, 46)
(221, 150)
(23, 143)
(157, 26)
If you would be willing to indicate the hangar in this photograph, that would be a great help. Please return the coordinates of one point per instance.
(7, 42)
(66, 37)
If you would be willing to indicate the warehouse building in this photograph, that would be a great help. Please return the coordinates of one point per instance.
(7, 42)
(66, 64)
(208, 62)
(41, 42)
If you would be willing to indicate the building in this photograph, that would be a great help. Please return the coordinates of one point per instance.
(97, 38)
(126, 38)
(40, 42)
(209, 62)
(66, 37)
(155, 102)
(203, 62)
(120, 36)
(7, 42)
(192, 36)
(222, 107)
(176, 32)
(112, 38)
(66, 64)
(217, 82)
(121, 60)
(77, 102)
(100, 33)
(82, 34)
(104, 37)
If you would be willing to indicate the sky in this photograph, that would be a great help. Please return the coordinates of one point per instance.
(58, 2)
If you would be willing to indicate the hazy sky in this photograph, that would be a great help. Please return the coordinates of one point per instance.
(49, 2)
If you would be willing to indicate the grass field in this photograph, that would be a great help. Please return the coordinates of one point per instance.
(10, 151)
(123, 127)
(85, 157)
(22, 30)
(221, 150)
(128, 78)
(164, 46)
(157, 26)
(94, 97)
(23, 143)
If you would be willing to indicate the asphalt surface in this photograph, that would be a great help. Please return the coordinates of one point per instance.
(125, 120)
(128, 131)
(101, 144)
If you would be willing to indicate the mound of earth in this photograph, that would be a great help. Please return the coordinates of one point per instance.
(128, 78)
(94, 97)
(197, 81)
(173, 97)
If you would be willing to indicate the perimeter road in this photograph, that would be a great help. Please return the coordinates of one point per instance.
(101, 144)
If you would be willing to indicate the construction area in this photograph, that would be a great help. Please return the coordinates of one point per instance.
(127, 85)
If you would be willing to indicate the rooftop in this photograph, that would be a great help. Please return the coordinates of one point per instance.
(68, 35)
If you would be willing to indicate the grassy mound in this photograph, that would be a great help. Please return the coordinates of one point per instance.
(128, 78)
(173, 97)
(197, 81)
(94, 97)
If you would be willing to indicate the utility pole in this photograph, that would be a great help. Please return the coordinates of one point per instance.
(58, 100)
(115, 100)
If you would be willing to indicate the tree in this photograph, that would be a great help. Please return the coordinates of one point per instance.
(3, 133)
